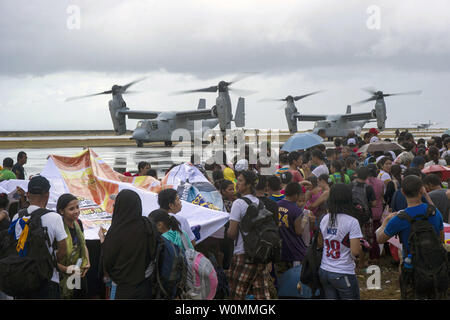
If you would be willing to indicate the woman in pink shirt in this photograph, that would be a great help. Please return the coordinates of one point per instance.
(377, 210)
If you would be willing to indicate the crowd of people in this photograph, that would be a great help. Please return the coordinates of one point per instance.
(350, 202)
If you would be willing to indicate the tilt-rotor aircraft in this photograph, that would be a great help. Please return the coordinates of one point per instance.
(157, 126)
(340, 125)
(425, 125)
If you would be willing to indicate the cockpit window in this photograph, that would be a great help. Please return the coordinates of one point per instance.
(140, 124)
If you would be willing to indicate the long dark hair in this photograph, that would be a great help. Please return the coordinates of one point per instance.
(313, 180)
(396, 172)
(340, 202)
(3, 200)
(373, 170)
(224, 185)
(160, 215)
(433, 153)
(63, 201)
(339, 167)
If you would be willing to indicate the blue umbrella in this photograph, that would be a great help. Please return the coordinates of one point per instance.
(287, 285)
(301, 141)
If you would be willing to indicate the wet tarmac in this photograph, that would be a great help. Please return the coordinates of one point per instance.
(119, 158)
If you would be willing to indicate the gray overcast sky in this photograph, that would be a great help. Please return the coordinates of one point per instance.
(296, 46)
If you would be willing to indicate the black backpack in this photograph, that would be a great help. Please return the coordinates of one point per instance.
(168, 267)
(429, 258)
(359, 197)
(311, 264)
(262, 244)
(24, 275)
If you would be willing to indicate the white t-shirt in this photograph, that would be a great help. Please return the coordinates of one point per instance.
(445, 153)
(336, 255)
(441, 162)
(184, 225)
(238, 210)
(55, 228)
(384, 176)
(322, 169)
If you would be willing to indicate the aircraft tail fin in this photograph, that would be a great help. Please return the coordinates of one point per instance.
(201, 104)
(349, 109)
(239, 117)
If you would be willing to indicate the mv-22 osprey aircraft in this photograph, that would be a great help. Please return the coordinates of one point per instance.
(157, 126)
(340, 125)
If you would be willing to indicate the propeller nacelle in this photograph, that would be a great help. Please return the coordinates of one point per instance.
(289, 99)
(117, 89)
(223, 86)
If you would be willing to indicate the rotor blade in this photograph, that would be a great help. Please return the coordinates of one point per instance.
(210, 89)
(282, 106)
(371, 90)
(131, 92)
(364, 101)
(241, 92)
(242, 76)
(306, 95)
(417, 92)
(271, 100)
(125, 87)
(88, 95)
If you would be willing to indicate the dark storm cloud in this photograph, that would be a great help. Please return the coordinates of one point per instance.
(207, 39)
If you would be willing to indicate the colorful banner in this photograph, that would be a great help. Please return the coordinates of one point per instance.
(85, 175)
(88, 177)
(193, 187)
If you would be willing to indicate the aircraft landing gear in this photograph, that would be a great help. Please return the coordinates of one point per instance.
(140, 144)
(168, 143)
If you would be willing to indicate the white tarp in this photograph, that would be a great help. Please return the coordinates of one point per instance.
(88, 174)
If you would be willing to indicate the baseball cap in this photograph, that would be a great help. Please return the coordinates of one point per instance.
(373, 131)
(38, 185)
(351, 141)
(241, 165)
(374, 139)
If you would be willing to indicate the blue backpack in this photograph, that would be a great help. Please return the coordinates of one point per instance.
(168, 266)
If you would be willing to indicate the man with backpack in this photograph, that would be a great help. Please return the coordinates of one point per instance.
(257, 242)
(424, 271)
(363, 197)
(34, 232)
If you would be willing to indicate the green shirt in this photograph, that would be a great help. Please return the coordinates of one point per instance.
(351, 173)
(337, 178)
(6, 174)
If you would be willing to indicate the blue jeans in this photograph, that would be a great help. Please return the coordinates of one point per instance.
(339, 286)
